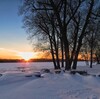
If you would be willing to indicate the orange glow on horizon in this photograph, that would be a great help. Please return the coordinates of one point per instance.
(15, 54)
(26, 55)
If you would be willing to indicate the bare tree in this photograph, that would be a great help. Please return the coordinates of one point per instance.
(64, 23)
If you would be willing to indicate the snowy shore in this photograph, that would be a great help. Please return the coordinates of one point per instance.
(14, 85)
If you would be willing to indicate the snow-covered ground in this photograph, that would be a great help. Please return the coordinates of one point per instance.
(15, 85)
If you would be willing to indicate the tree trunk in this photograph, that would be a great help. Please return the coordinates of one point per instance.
(75, 62)
(62, 54)
(91, 52)
(66, 47)
(57, 52)
(91, 57)
(76, 54)
(52, 53)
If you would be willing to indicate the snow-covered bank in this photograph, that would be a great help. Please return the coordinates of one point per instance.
(15, 85)
(51, 86)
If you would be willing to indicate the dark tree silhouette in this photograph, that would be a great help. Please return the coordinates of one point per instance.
(63, 22)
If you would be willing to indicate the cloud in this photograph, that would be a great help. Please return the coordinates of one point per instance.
(9, 50)
(8, 54)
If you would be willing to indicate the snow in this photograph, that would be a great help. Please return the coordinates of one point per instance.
(15, 85)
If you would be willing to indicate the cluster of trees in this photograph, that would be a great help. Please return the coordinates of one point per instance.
(63, 27)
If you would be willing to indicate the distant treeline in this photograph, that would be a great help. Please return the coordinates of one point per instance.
(9, 60)
(22, 60)
(31, 60)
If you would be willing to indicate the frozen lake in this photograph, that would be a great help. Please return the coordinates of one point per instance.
(4, 67)
(50, 85)
(26, 64)
(33, 64)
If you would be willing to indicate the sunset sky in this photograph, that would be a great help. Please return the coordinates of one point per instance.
(13, 38)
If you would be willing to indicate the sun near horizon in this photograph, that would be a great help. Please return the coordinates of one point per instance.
(26, 55)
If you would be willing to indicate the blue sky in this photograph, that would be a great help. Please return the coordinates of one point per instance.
(12, 35)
